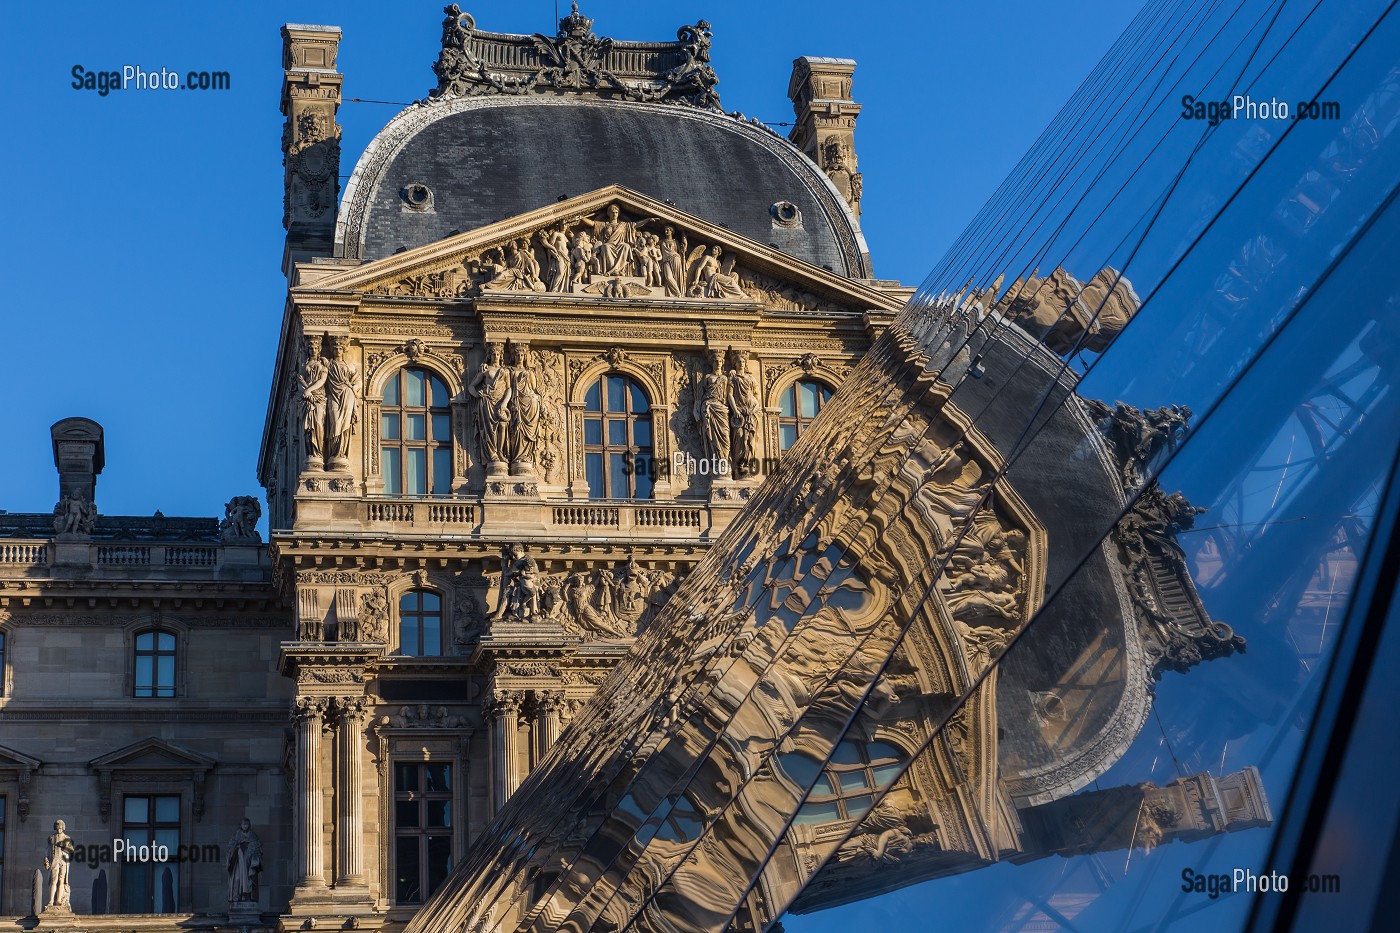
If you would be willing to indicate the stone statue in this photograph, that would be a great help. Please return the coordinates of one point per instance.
(724, 283)
(744, 407)
(342, 405)
(374, 616)
(556, 245)
(711, 409)
(526, 412)
(245, 863)
(311, 400)
(56, 863)
(240, 523)
(74, 515)
(703, 264)
(521, 583)
(617, 240)
(672, 264)
(581, 257)
(521, 272)
(492, 391)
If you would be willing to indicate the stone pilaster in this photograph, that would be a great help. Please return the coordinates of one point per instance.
(504, 714)
(309, 715)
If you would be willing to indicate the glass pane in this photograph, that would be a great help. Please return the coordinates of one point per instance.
(393, 483)
(800, 768)
(136, 810)
(432, 636)
(416, 476)
(442, 471)
(415, 427)
(807, 397)
(391, 391)
(406, 870)
(437, 779)
(136, 889)
(438, 397)
(617, 476)
(641, 432)
(787, 405)
(167, 809)
(823, 787)
(165, 671)
(415, 388)
(166, 641)
(170, 838)
(639, 400)
(408, 636)
(856, 807)
(617, 432)
(408, 602)
(439, 860)
(847, 753)
(591, 399)
(643, 467)
(405, 778)
(787, 436)
(145, 641)
(592, 431)
(439, 813)
(617, 393)
(879, 751)
(389, 427)
(886, 773)
(144, 667)
(817, 812)
(406, 814)
(442, 427)
(167, 887)
(432, 602)
(593, 470)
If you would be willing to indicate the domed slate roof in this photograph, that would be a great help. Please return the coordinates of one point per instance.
(448, 166)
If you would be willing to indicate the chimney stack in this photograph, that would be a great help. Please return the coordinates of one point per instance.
(79, 456)
(310, 141)
(820, 90)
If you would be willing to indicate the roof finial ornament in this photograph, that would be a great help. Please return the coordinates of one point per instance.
(575, 25)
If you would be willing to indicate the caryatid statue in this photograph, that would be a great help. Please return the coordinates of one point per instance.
(492, 390)
(616, 240)
(744, 407)
(342, 405)
(245, 863)
(56, 863)
(311, 400)
(526, 412)
(711, 410)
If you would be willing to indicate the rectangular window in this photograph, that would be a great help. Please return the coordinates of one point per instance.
(150, 885)
(422, 829)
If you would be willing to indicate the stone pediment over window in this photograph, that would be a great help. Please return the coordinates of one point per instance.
(608, 246)
(150, 760)
(18, 767)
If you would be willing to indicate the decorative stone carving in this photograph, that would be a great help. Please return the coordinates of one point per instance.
(604, 603)
(521, 271)
(1068, 315)
(74, 514)
(342, 405)
(1138, 437)
(422, 717)
(842, 174)
(244, 863)
(57, 859)
(492, 391)
(527, 416)
(616, 241)
(883, 836)
(311, 401)
(240, 521)
(520, 586)
(575, 60)
(374, 616)
(711, 408)
(745, 405)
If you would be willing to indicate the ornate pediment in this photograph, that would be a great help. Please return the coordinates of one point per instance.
(607, 246)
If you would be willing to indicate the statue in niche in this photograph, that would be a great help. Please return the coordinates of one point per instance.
(74, 514)
(521, 272)
(711, 409)
(703, 263)
(492, 391)
(240, 522)
(724, 283)
(342, 405)
(245, 864)
(616, 241)
(56, 863)
(526, 412)
(556, 247)
(744, 407)
(311, 399)
(521, 585)
(581, 257)
(672, 263)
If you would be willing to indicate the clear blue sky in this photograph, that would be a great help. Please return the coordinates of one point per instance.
(143, 240)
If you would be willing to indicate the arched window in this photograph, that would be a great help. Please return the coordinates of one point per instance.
(415, 435)
(617, 452)
(845, 788)
(155, 663)
(798, 405)
(420, 624)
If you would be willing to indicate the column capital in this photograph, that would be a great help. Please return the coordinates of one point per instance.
(504, 703)
(309, 709)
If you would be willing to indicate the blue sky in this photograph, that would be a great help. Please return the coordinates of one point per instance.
(143, 244)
